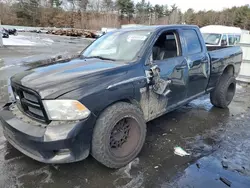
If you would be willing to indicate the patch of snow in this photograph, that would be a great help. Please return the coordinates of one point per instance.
(8, 66)
(41, 39)
(22, 40)
(2, 142)
(239, 86)
(17, 41)
(48, 40)
(133, 180)
(5, 67)
(125, 171)
(44, 171)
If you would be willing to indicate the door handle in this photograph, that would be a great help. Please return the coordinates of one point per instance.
(181, 67)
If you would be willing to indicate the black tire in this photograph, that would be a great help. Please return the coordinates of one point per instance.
(224, 91)
(115, 120)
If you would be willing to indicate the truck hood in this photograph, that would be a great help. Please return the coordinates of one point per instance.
(64, 76)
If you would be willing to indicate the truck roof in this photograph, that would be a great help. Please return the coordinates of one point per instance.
(220, 29)
(156, 27)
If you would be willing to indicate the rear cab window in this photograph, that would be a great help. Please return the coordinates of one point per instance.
(192, 41)
(231, 40)
(237, 39)
(224, 40)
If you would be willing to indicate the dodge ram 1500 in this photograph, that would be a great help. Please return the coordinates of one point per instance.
(99, 102)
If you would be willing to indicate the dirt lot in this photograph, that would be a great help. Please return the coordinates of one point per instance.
(218, 141)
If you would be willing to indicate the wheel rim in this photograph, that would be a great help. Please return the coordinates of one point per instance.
(124, 137)
(230, 92)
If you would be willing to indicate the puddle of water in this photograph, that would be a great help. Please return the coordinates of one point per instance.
(206, 173)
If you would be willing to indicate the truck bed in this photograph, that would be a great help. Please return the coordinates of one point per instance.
(212, 48)
(220, 59)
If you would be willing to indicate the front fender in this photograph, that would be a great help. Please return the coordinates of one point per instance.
(96, 101)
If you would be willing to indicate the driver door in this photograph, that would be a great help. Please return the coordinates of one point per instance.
(172, 70)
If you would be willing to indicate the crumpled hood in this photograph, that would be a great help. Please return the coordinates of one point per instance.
(63, 76)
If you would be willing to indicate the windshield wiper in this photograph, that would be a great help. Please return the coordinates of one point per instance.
(100, 57)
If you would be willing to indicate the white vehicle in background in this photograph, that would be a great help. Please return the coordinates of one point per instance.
(244, 31)
(106, 30)
(217, 35)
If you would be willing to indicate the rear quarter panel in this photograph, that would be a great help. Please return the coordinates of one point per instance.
(222, 58)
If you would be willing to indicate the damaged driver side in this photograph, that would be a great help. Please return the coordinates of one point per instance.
(165, 75)
(165, 47)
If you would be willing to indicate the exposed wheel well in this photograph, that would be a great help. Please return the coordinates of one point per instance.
(229, 70)
(127, 100)
(130, 101)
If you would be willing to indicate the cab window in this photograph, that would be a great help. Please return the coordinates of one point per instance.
(237, 39)
(166, 46)
(224, 40)
(192, 41)
(231, 40)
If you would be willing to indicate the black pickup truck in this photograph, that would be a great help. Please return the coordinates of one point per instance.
(99, 102)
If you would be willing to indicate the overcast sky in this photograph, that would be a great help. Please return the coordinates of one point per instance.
(202, 4)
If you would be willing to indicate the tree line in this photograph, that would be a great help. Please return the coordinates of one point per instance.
(94, 14)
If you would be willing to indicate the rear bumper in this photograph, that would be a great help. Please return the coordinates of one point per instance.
(59, 142)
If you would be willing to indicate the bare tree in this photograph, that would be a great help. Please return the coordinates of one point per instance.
(83, 4)
(108, 5)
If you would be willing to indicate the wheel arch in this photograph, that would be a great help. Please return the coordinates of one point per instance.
(229, 69)
(125, 99)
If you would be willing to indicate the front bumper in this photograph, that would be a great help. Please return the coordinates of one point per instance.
(58, 142)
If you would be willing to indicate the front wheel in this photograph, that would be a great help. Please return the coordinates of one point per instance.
(119, 135)
(224, 92)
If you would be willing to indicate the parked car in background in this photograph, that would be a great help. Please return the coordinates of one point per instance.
(12, 31)
(217, 35)
(5, 34)
(106, 30)
(99, 34)
(244, 31)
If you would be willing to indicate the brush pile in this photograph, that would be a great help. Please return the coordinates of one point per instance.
(73, 33)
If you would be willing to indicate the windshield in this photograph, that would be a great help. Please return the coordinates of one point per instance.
(211, 38)
(118, 46)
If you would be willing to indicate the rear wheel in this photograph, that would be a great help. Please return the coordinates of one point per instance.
(224, 92)
(119, 135)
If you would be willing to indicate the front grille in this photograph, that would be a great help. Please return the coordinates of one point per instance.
(29, 102)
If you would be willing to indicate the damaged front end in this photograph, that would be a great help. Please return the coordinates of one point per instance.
(54, 142)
